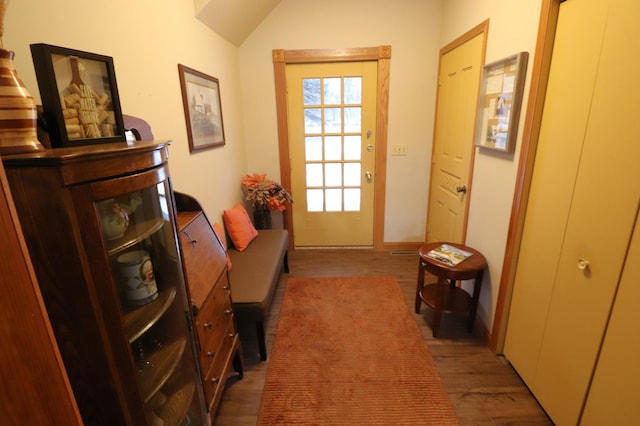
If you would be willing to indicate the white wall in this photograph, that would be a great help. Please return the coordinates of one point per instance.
(412, 28)
(147, 39)
(513, 28)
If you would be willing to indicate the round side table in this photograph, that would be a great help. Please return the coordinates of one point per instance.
(445, 296)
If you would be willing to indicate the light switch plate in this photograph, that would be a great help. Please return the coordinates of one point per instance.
(399, 149)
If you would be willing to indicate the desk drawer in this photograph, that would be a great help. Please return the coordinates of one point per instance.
(217, 374)
(212, 344)
(218, 301)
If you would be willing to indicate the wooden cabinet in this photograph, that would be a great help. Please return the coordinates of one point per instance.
(26, 399)
(126, 341)
(205, 266)
(582, 209)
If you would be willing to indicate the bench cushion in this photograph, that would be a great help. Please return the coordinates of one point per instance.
(255, 273)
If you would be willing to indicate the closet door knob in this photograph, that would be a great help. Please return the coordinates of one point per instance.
(583, 264)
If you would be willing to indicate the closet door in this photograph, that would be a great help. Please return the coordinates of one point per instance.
(582, 275)
(566, 112)
(613, 396)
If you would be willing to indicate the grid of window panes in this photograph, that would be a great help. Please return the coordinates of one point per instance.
(333, 140)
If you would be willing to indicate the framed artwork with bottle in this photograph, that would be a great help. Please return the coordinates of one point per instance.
(79, 96)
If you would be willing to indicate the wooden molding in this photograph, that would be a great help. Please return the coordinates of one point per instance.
(306, 56)
(278, 55)
(540, 74)
(482, 27)
(403, 246)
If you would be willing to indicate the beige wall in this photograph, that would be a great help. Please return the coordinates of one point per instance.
(513, 28)
(147, 39)
(411, 27)
(416, 30)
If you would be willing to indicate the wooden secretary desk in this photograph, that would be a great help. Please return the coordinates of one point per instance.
(205, 267)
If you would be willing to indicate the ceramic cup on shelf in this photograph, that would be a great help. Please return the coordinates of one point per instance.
(136, 272)
(114, 218)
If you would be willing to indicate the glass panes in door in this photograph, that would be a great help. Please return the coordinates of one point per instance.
(333, 143)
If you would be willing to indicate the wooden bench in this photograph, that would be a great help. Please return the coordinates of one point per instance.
(254, 275)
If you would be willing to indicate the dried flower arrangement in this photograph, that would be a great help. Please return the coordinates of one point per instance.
(264, 193)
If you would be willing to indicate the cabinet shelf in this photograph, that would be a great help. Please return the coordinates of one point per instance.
(162, 364)
(176, 408)
(138, 321)
(136, 232)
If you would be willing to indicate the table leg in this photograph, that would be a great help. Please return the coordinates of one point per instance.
(419, 285)
(440, 300)
(477, 285)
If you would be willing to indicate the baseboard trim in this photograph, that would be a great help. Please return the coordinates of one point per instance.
(402, 246)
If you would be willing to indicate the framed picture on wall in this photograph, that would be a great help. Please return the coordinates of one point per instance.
(500, 102)
(202, 109)
(79, 94)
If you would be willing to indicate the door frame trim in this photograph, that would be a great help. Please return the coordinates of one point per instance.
(381, 54)
(539, 77)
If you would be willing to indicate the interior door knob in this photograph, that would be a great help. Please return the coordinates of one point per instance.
(368, 175)
(462, 189)
(583, 264)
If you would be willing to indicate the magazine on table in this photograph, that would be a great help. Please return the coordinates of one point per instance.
(449, 255)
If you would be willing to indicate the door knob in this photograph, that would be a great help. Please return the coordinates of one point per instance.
(462, 189)
(583, 264)
(368, 175)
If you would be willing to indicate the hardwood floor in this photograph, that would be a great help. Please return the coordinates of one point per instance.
(483, 388)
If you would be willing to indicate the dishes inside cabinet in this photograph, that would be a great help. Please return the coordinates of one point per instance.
(147, 274)
(115, 215)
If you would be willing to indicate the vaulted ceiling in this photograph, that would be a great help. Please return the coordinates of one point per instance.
(233, 20)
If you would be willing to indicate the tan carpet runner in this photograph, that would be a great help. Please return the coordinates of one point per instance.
(348, 352)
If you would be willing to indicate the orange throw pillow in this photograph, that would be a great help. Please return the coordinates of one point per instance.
(218, 230)
(239, 227)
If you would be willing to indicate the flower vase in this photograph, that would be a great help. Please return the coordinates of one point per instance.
(262, 218)
(18, 114)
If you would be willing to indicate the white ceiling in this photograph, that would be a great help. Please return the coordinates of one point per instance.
(233, 19)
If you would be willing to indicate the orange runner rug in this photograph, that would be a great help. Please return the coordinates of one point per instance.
(348, 351)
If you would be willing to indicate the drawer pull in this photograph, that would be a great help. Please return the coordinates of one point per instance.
(228, 311)
(191, 239)
(207, 325)
(214, 380)
(232, 334)
(210, 354)
(226, 287)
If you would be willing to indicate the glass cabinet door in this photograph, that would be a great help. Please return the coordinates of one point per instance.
(139, 235)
